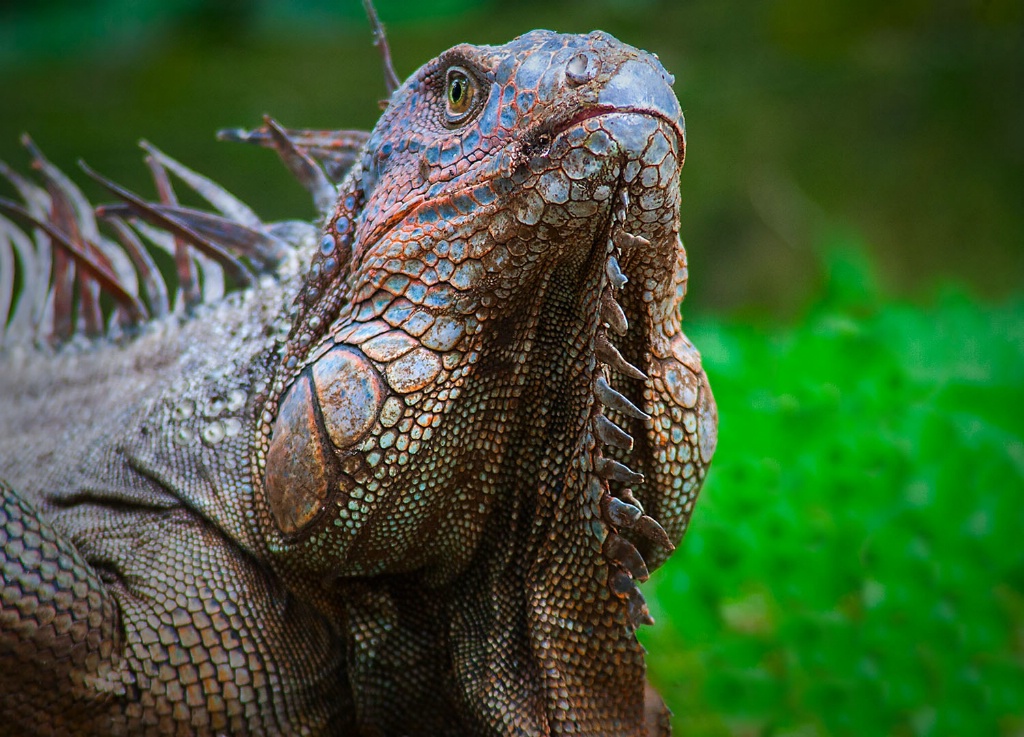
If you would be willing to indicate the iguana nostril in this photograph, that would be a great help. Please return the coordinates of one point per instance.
(581, 69)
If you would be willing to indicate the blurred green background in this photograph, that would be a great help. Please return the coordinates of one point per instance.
(854, 213)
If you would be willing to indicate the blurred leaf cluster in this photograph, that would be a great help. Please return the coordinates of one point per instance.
(854, 566)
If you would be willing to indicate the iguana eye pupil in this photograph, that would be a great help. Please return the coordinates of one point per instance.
(461, 91)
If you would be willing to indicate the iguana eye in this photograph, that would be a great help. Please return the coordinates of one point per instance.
(461, 90)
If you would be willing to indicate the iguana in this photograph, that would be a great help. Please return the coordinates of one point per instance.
(405, 479)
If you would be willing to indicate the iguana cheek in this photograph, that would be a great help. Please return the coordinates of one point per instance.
(296, 463)
(329, 408)
(350, 393)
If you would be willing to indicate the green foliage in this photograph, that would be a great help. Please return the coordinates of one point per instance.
(854, 566)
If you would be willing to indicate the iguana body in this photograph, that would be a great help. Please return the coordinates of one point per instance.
(384, 492)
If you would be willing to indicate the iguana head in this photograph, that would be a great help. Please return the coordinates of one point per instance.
(488, 334)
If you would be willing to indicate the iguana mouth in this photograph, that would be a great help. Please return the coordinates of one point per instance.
(596, 111)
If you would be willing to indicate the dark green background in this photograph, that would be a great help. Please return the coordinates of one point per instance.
(854, 213)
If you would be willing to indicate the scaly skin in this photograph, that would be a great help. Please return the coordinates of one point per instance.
(384, 497)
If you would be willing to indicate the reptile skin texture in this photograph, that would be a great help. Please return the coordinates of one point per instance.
(406, 479)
